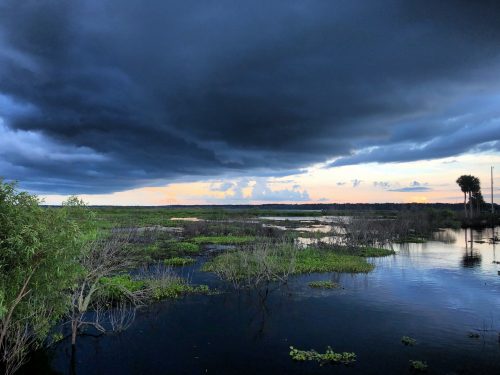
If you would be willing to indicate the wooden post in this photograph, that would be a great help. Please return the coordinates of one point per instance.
(492, 205)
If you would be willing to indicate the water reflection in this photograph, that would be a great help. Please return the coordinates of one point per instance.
(436, 292)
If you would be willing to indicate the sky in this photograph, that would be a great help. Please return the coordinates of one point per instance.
(161, 102)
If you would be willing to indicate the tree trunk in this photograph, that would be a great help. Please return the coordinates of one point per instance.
(471, 209)
(465, 204)
(74, 329)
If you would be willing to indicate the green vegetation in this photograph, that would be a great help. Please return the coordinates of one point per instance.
(373, 252)
(329, 357)
(114, 287)
(271, 261)
(178, 261)
(314, 260)
(176, 289)
(169, 248)
(186, 247)
(223, 240)
(325, 284)
(408, 341)
(418, 366)
(38, 248)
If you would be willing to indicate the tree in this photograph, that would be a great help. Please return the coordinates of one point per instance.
(465, 183)
(469, 185)
(475, 191)
(102, 257)
(478, 200)
(38, 248)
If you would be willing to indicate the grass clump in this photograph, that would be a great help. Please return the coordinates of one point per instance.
(223, 240)
(373, 252)
(314, 260)
(329, 357)
(418, 366)
(175, 289)
(161, 282)
(179, 261)
(324, 284)
(269, 261)
(408, 341)
(187, 247)
(116, 287)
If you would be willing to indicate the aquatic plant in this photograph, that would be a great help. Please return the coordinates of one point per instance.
(373, 252)
(329, 357)
(116, 287)
(418, 366)
(324, 284)
(161, 282)
(187, 247)
(179, 261)
(408, 341)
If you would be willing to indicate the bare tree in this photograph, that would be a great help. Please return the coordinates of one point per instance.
(103, 257)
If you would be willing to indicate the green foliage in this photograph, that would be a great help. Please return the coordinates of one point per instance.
(3, 308)
(176, 289)
(315, 260)
(115, 287)
(408, 341)
(325, 284)
(418, 366)
(282, 259)
(373, 252)
(38, 251)
(187, 247)
(170, 248)
(178, 261)
(223, 240)
(329, 357)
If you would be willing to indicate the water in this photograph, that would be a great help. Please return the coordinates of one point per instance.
(437, 293)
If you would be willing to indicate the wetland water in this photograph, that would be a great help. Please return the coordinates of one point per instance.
(437, 292)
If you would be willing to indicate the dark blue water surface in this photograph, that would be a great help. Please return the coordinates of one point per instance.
(437, 293)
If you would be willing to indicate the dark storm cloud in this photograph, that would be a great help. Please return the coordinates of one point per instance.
(120, 94)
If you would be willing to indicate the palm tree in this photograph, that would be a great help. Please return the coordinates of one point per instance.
(464, 181)
(468, 184)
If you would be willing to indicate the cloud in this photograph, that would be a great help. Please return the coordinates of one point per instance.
(356, 183)
(247, 190)
(126, 94)
(382, 184)
(221, 186)
(413, 187)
